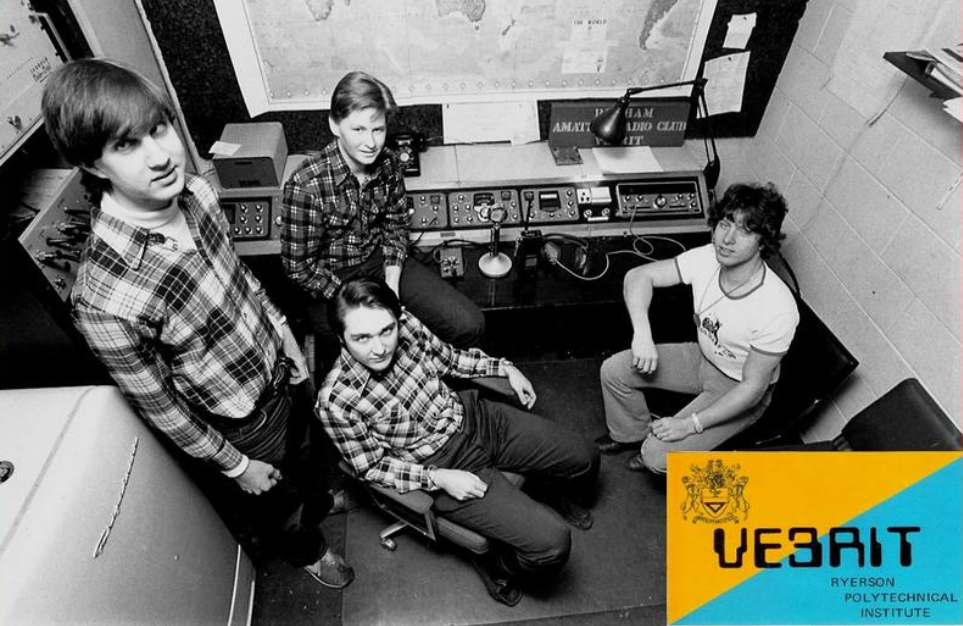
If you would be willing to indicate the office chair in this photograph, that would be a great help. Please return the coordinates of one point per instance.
(815, 366)
(904, 419)
(414, 509)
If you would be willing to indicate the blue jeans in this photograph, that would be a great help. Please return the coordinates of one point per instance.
(285, 521)
(533, 541)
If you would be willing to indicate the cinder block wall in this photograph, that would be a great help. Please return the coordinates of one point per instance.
(874, 221)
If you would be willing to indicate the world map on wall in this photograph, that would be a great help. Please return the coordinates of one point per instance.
(463, 50)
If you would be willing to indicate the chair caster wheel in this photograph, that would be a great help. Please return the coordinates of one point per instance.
(389, 544)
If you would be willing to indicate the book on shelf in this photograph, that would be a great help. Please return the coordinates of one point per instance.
(950, 59)
(939, 73)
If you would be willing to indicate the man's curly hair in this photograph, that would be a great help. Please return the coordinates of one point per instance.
(762, 208)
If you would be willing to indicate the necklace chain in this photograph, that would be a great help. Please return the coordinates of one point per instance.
(725, 294)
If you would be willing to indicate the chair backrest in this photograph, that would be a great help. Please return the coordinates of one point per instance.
(814, 367)
(905, 418)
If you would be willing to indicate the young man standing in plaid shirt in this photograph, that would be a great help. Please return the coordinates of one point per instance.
(398, 424)
(183, 327)
(345, 216)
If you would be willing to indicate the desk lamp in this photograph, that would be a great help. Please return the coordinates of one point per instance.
(610, 125)
(494, 264)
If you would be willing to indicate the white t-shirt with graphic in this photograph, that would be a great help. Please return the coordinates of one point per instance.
(763, 319)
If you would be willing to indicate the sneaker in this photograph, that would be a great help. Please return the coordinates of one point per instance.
(331, 570)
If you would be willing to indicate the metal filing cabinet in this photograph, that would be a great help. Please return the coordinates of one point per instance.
(100, 525)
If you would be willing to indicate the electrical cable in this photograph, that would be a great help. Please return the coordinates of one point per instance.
(608, 264)
(417, 240)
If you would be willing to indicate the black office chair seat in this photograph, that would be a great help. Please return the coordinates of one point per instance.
(815, 366)
(413, 510)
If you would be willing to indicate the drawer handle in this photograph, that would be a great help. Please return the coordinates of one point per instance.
(123, 489)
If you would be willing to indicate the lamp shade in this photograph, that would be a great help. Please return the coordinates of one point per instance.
(610, 125)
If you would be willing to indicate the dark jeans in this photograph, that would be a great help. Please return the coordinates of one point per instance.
(285, 521)
(443, 309)
(532, 539)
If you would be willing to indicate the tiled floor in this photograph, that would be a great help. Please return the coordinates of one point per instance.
(616, 574)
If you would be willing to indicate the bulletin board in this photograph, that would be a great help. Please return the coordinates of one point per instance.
(195, 52)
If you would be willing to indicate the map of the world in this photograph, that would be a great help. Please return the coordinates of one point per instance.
(289, 54)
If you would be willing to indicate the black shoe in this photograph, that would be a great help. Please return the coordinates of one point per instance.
(574, 514)
(499, 586)
(607, 445)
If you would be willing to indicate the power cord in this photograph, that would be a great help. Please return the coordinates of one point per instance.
(553, 254)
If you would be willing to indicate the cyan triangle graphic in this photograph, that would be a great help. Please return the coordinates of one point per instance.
(807, 596)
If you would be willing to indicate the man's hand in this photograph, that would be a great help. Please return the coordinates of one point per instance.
(645, 356)
(393, 278)
(299, 369)
(672, 428)
(459, 484)
(521, 386)
(258, 478)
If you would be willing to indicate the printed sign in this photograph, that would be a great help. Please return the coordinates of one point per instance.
(647, 122)
(815, 538)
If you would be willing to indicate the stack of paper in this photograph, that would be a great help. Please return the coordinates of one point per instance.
(946, 67)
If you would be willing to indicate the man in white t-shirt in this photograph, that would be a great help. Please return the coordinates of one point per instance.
(745, 318)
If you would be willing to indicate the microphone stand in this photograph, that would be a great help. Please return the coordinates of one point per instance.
(495, 264)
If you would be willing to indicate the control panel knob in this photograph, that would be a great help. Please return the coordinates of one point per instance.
(660, 201)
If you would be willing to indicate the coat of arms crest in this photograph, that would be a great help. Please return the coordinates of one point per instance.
(715, 494)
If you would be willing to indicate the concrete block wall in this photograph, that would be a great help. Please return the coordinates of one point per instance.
(874, 221)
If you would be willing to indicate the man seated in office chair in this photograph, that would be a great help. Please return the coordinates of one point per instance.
(398, 424)
(184, 328)
(745, 319)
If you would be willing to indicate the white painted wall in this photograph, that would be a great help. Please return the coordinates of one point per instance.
(874, 220)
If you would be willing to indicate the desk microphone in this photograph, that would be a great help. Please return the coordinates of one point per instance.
(495, 264)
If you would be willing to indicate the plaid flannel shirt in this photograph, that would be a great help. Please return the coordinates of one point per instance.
(329, 224)
(184, 333)
(386, 424)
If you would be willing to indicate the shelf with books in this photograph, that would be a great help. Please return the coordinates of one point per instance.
(921, 67)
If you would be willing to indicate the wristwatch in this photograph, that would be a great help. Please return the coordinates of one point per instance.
(696, 422)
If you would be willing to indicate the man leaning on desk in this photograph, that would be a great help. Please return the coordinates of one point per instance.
(345, 217)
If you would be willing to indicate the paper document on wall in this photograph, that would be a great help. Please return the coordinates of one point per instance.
(726, 82)
(482, 122)
(627, 160)
(955, 108)
(739, 31)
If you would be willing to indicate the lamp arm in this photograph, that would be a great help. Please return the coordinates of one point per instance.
(698, 83)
